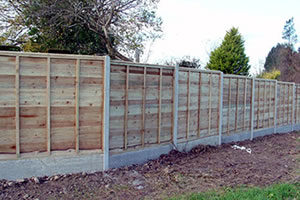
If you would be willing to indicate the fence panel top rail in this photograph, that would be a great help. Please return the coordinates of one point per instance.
(132, 64)
(51, 55)
(285, 83)
(236, 76)
(199, 70)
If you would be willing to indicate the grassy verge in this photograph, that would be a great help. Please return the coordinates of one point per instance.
(274, 192)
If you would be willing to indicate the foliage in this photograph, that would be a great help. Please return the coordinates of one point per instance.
(285, 59)
(114, 25)
(185, 61)
(274, 74)
(273, 60)
(230, 57)
(289, 32)
(276, 192)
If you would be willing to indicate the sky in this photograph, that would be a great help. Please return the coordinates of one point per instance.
(195, 27)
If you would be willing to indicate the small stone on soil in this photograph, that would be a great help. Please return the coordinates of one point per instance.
(36, 180)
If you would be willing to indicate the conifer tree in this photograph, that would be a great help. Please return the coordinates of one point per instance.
(230, 57)
(289, 33)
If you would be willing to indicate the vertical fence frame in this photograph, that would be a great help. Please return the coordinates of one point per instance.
(105, 113)
(77, 99)
(17, 105)
(175, 104)
(252, 108)
(275, 106)
(48, 102)
(221, 88)
(293, 105)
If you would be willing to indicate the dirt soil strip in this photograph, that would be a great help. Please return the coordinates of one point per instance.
(273, 159)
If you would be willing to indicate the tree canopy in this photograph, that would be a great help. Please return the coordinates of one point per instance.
(185, 61)
(289, 32)
(230, 57)
(116, 27)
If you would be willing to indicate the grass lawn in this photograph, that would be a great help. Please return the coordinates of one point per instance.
(278, 192)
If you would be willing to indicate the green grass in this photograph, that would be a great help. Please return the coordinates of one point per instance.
(274, 192)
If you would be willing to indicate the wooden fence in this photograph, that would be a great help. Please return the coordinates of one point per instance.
(51, 103)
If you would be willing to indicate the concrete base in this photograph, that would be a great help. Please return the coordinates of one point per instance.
(138, 157)
(144, 155)
(236, 137)
(297, 127)
(284, 129)
(187, 146)
(258, 133)
(263, 132)
(48, 166)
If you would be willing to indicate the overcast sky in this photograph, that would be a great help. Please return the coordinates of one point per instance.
(194, 27)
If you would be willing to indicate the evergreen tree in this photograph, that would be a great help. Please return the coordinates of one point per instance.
(289, 32)
(230, 57)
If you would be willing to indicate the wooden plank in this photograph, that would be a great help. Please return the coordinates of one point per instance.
(144, 107)
(293, 106)
(199, 105)
(275, 106)
(245, 103)
(283, 116)
(258, 110)
(188, 105)
(296, 103)
(48, 96)
(269, 113)
(126, 108)
(159, 106)
(209, 112)
(77, 75)
(17, 96)
(264, 111)
(236, 104)
(288, 104)
(229, 105)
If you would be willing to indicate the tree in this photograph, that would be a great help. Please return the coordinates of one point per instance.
(289, 32)
(274, 58)
(185, 61)
(122, 25)
(230, 57)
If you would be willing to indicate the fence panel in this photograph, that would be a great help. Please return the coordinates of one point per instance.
(8, 104)
(284, 103)
(236, 104)
(198, 111)
(141, 105)
(50, 102)
(264, 111)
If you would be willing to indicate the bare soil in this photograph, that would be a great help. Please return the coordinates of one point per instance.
(273, 159)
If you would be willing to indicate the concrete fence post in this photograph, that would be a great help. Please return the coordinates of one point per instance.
(105, 116)
(275, 109)
(175, 104)
(221, 108)
(252, 108)
(293, 106)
